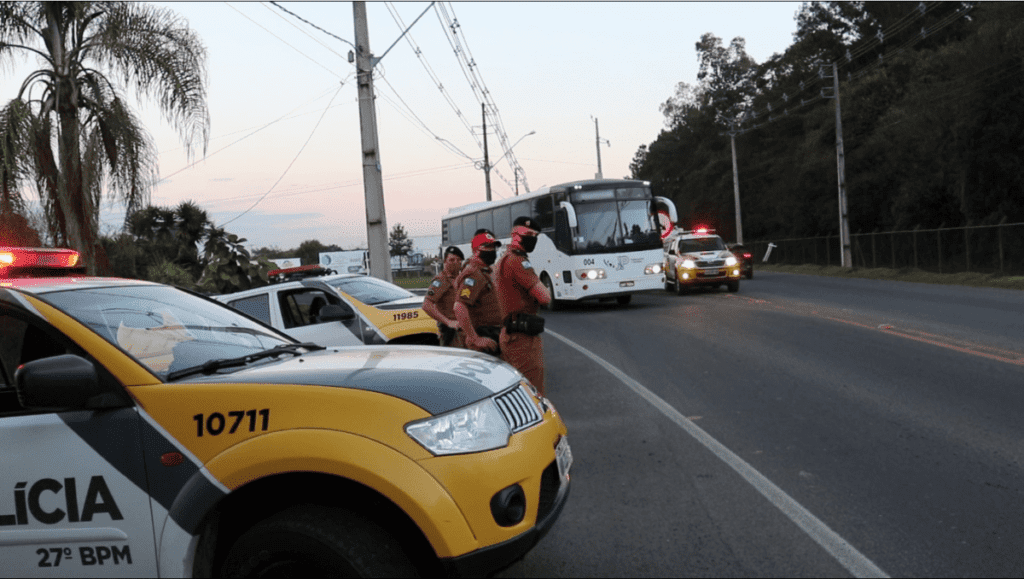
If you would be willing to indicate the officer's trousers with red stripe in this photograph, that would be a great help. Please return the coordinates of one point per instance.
(526, 354)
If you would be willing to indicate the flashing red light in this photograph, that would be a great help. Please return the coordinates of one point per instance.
(290, 270)
(747, 255)
(26, 257)
(702, 231)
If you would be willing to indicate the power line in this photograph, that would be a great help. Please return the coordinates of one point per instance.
(289, 164)
(313, 60)
(314, 25)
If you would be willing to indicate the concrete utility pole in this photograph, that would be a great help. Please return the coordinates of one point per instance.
(736, 185)
(487, 164)
(844, 224)
(597, 132)
(373, 183)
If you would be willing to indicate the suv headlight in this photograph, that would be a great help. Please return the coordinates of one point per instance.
(730, 260)
(653, 269)
(689, 264)
(475, 428)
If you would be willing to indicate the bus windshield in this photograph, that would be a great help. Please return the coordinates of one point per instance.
(613, 220)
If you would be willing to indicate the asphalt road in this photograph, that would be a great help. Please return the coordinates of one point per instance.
(803, 426)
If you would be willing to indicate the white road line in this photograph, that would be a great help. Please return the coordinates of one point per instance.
(844, 553)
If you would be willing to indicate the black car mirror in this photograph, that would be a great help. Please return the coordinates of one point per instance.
(335, 313)
(65, 382)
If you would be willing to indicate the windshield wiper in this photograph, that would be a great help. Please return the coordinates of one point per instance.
(212, 366)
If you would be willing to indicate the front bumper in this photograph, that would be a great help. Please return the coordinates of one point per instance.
(494, 558)
(698, 276)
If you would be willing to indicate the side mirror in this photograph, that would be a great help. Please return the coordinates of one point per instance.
(335, 313)
(570, 212)
(65, 382)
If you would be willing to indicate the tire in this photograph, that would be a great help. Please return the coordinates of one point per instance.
(624, 300)
(313, 541)
(553, 305)
(679, 287)
(734, 286)
(750, 273)
(668, 284)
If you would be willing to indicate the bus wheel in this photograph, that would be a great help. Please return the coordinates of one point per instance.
(553, 305)
(624, 300)
(314, 541)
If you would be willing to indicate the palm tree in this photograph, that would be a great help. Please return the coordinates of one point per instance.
(82, 138)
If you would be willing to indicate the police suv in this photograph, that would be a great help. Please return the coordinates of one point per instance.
(146, 430)
(699, 258)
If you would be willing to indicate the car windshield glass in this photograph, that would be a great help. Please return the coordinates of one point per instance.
(701, 244)
(164, 328)
(370, 290)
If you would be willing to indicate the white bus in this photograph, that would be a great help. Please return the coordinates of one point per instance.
(600, 239)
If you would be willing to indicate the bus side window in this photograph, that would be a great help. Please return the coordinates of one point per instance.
(485, 220)
(455, 231)
(543, 212)
(563, 234)
(502, 221)
(521, 209)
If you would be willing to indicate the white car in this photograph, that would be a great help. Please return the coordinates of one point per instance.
(312, 304)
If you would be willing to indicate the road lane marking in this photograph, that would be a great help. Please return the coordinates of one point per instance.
(948, 342)
(844, 553)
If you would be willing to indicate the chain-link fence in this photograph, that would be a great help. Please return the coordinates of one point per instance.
(976, 248)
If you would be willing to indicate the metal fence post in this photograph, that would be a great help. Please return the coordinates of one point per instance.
(916, 227)
(892, 247)
(874, 256)
(938, 236)
(967, 245)
(1000, 232)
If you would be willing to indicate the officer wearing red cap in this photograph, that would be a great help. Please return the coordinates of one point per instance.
(476, 306)
(439, 303)
(520, 293)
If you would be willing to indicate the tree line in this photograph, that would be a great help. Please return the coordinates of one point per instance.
(932, 115)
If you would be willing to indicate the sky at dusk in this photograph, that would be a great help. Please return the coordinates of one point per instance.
(283, 163)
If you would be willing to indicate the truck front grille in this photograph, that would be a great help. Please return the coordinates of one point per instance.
(518, 409)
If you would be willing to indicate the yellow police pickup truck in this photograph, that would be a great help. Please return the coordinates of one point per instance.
(146, 430)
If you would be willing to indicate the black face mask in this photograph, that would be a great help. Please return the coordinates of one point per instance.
(528, 242)
(489, 257)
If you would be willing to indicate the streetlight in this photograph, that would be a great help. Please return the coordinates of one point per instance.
(486, 166)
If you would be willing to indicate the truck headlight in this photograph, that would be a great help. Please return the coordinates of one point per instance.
(475, 428)
(730, 261)
(689, 264)
(653, 269)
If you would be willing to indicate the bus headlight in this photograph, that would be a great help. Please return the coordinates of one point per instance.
(689, 264)
(475, 428)
(652, 269)
(590, 273)
(730, 261)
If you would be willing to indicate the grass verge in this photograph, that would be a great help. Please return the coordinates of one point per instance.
(911, 275)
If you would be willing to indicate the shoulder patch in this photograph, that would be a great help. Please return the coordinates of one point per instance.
(469, 281)
(430, 293)
(436, 283)
(465, 293)
(526, 264)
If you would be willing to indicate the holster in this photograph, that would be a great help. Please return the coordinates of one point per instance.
(446, 335)
(523, 323)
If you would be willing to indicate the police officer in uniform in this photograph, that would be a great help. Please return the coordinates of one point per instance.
(520, 293)
(476, 305)
(440, 299)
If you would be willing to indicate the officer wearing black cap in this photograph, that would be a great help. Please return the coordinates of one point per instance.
(520, 293)
(440, 299)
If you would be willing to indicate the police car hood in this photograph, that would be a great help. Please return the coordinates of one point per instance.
(435, 379)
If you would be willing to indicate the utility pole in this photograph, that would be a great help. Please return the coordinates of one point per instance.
(844, 224)
(373, 183)
(487, 165)
(736, 185)
(597, 132)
